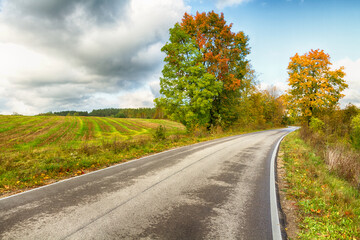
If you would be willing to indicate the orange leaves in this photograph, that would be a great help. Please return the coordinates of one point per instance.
(313, 85)
(232, 83)
(315, 210)
(222, 49)
(200, 40)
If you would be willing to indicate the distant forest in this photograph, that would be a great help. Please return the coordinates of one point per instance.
(115, 112)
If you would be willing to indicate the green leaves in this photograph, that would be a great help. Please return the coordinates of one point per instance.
(204, 65)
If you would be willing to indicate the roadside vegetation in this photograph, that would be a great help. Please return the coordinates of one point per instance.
(326, 205)
(322, 159)
(325, 186)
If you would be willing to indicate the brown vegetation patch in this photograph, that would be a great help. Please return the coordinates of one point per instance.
(90, 133)
(344, 162)
(340, 157)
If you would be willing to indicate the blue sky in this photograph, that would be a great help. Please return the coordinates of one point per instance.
(278, 29)
(91, 54)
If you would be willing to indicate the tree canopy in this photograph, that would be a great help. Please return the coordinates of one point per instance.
(205, 66)
(314, 87)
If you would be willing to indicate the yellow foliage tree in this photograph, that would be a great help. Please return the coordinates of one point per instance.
(314, 87)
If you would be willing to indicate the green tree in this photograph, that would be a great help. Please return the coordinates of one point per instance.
(187, 89)
(205, 66)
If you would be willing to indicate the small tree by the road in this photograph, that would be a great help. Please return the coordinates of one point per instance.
(314, 87)
(205, 66)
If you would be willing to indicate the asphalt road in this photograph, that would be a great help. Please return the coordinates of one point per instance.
(212, 190)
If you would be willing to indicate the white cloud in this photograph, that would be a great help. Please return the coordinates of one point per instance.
(221, 4)
(281, 87)
(352, 70)
(136, 99)
(58, 55)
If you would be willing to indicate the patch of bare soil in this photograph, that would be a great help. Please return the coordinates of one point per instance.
(288, 206)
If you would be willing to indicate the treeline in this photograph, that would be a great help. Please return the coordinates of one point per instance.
(124, 112)
(70, 113)
(154, 113)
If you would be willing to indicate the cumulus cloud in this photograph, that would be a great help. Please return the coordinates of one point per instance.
(136, 99)
(352, 70)
(59, 55)
(221, 4)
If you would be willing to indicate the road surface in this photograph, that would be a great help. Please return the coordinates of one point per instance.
(211, 190)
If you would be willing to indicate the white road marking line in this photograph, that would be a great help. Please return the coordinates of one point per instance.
(275, 223)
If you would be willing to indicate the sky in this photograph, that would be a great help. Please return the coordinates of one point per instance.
(91, 54)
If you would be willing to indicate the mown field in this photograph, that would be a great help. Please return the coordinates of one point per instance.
(36, 150)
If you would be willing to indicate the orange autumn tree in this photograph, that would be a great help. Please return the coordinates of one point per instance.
(314, 87)
(222, 53)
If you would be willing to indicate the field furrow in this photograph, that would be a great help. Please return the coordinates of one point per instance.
(18, 125)
(39, 137)
(27, 132)
(103, 128)
(128, 124)
(119, 127)
(71, 134)
(55, 134)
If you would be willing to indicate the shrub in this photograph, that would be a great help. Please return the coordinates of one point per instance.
(316, 125)
(355, 131)
(200, 132)
(216, 130)
(160, 133)
(175, 137)
(88, 149)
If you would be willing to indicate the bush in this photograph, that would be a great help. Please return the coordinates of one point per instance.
(215, 130)
(355, 131)
(200, 132)
(160, 133)
(316, 125)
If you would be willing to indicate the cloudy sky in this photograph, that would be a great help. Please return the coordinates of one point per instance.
(88, 54)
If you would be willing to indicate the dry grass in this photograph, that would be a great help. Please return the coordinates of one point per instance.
(344, 162)
(326, 206)
(339, 157)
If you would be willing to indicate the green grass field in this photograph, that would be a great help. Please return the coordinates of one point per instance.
(36, 150)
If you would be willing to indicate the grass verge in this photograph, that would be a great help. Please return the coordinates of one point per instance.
(326, 206)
